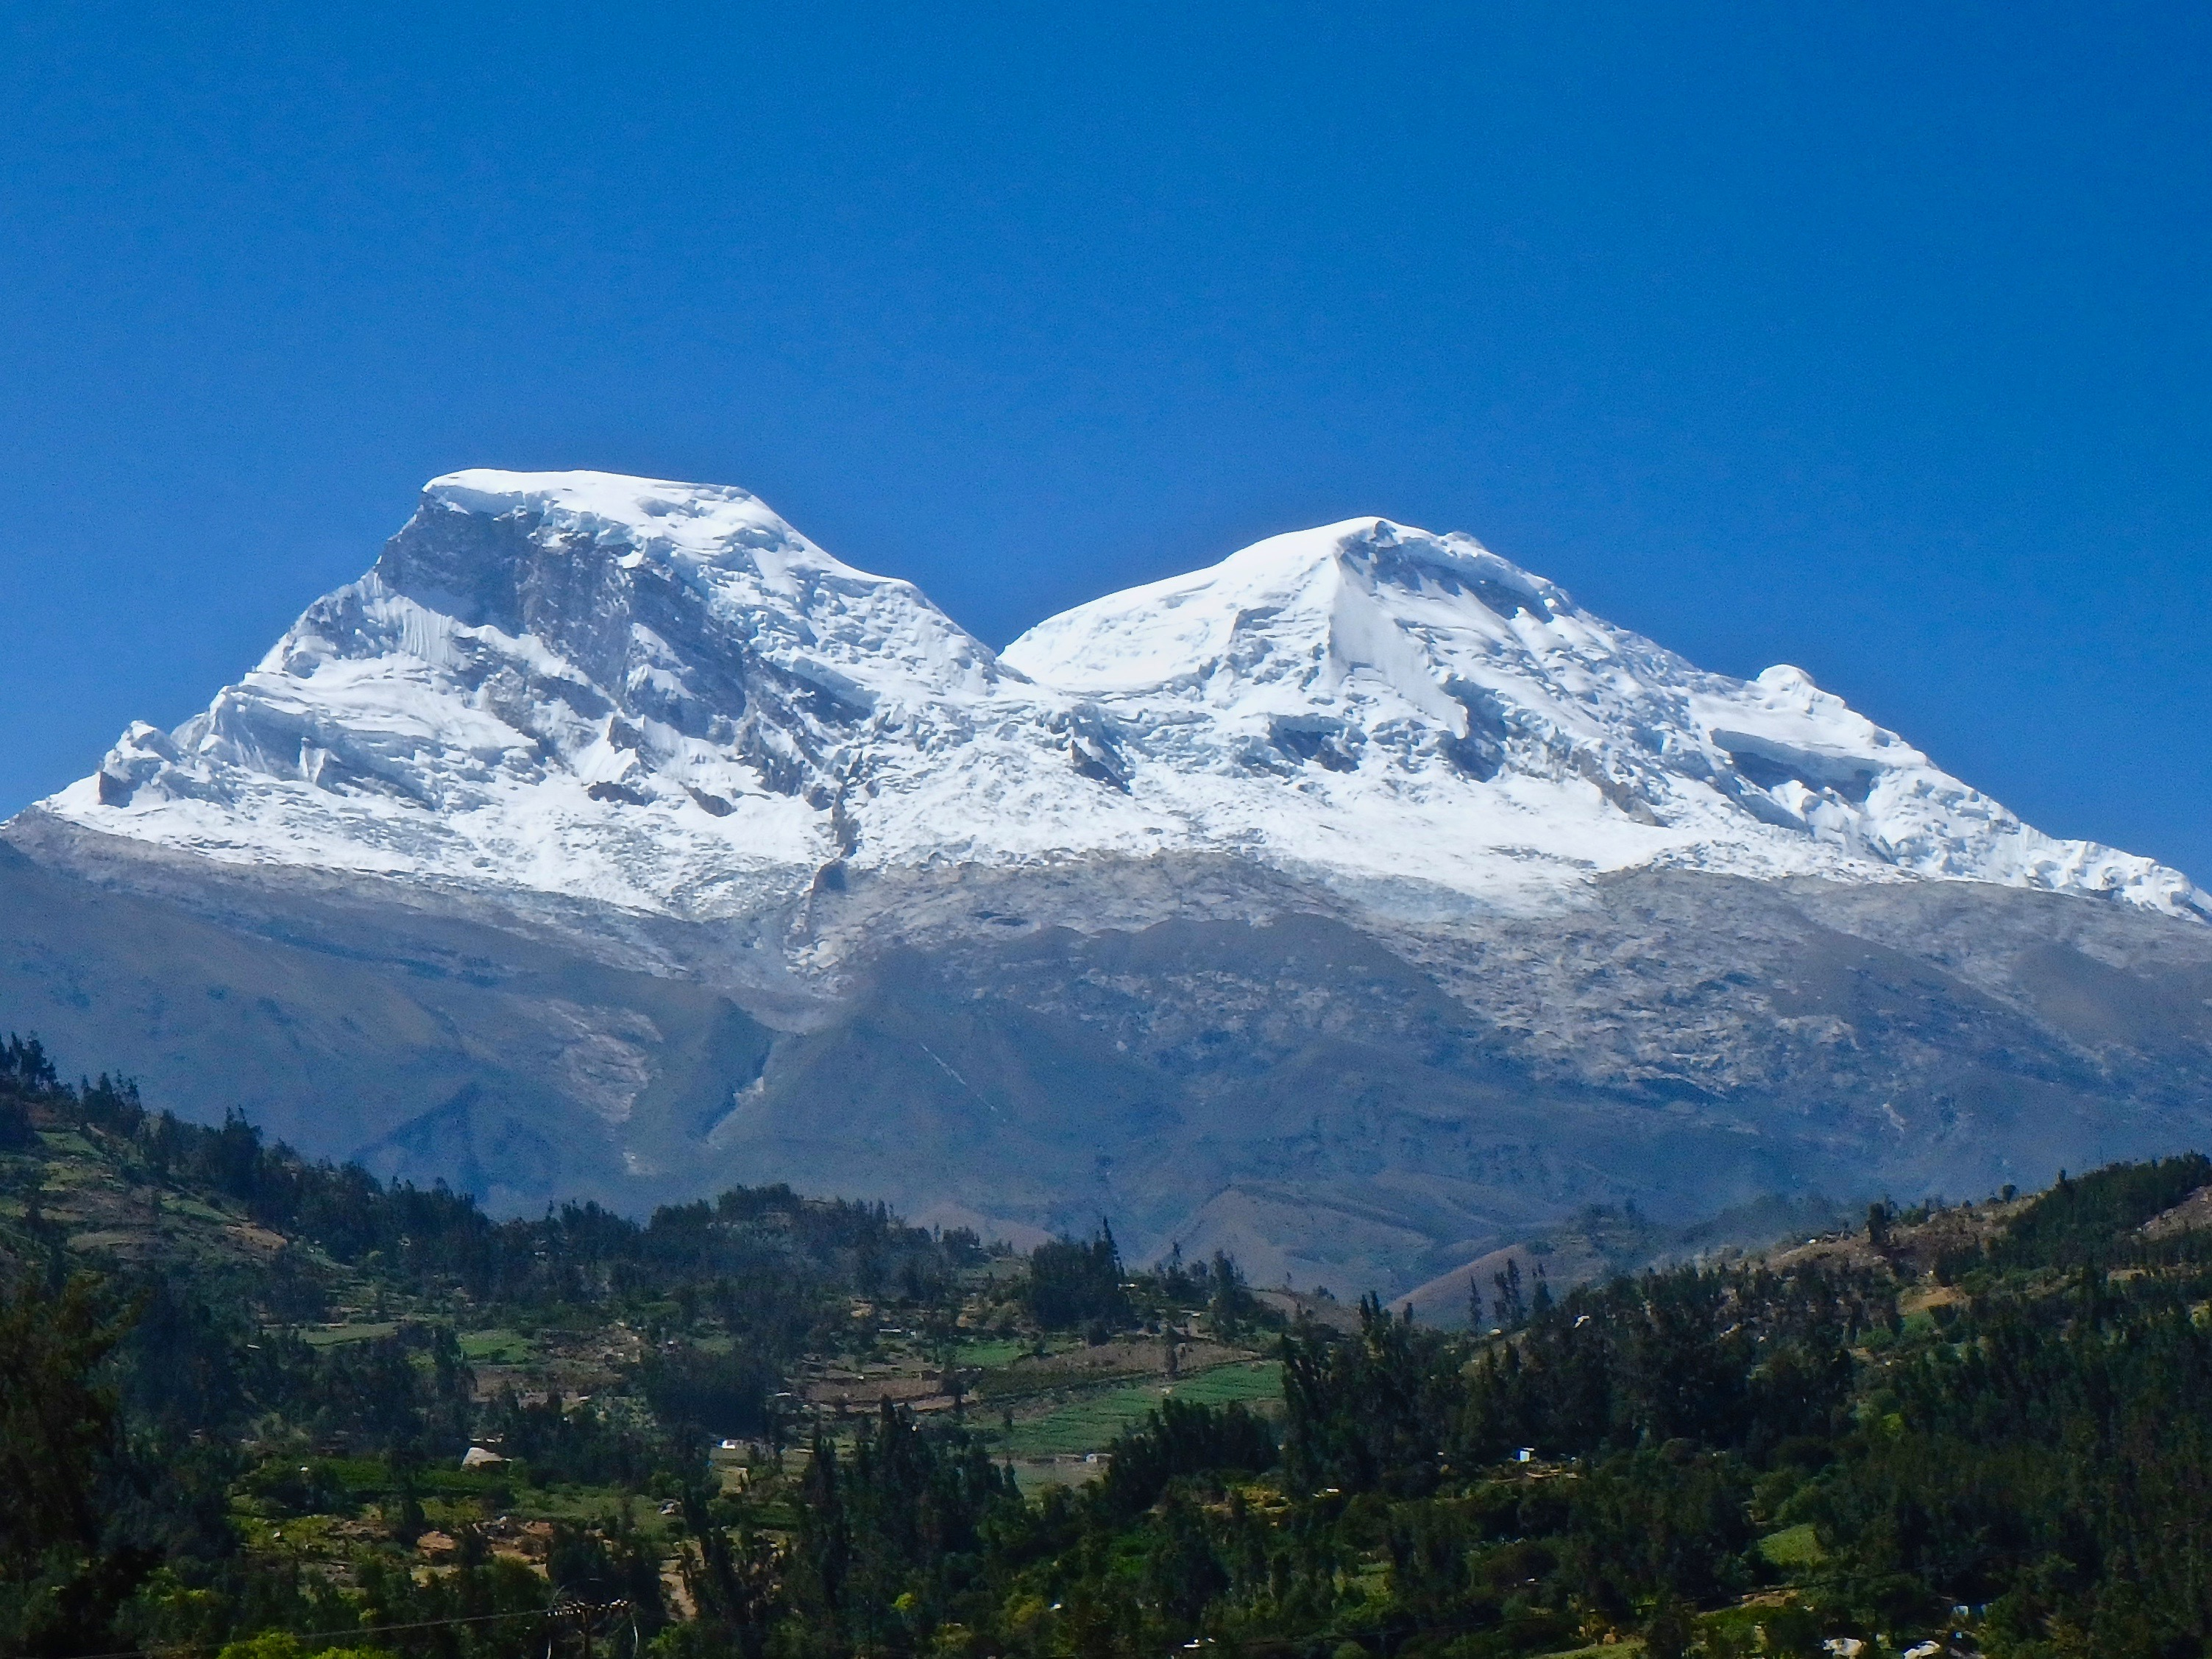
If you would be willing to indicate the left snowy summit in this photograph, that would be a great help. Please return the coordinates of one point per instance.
(611, 687)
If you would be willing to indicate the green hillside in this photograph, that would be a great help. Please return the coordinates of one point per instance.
(255, 1408)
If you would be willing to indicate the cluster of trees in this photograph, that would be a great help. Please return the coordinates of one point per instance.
(1067, 1285)
(2031, 1443)
(731, 1291)
(188, 1386)
(2032, 1453)
(188, 1383)
(1218, 1286)
(761, 1256)
(2050, 1457)
(2094, 1220)
(912, 1540)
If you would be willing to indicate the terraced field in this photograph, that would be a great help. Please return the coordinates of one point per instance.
(1088, 1424)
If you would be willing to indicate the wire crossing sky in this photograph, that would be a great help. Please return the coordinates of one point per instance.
(1870, 338)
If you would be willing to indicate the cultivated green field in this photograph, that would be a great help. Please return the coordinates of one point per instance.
(496, 1348)
(1088, 1424)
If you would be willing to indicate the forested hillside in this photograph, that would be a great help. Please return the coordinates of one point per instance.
(251, 1407)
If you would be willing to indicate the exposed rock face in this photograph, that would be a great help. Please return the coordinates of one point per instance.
(1355, 903)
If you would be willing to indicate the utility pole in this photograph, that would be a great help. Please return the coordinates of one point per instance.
(590, 1619)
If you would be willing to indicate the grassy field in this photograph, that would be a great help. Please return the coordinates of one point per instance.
(1087, 1424)
(329, 1338)
(1793, 1546)
(1250, 1380)
(496, 1348)
(994, 1351)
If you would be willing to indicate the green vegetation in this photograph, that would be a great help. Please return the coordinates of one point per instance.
(496, 1348)
(235, 1389)
(2078, 1223)
(1791, 1548)
(238, 1386)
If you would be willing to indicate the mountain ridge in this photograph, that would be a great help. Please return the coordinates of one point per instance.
(1365, 908)
(1349, 698)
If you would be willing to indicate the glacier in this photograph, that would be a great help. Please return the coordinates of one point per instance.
(662, 699)
(1358, 904)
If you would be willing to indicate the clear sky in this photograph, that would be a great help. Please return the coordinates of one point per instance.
(1871, 337)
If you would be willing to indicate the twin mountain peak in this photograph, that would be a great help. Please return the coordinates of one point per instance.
(660, 698)
(1360, 905)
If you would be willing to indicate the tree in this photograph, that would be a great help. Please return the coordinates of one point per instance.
(1182, 1573)
(1669, 1631)
(1070, 1284)
(1512, 1306)
(55, 1421)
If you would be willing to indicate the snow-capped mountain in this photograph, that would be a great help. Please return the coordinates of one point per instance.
(1358, 904)
(662, 698)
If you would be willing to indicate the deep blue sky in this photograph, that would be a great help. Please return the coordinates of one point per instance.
(1870, 338)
